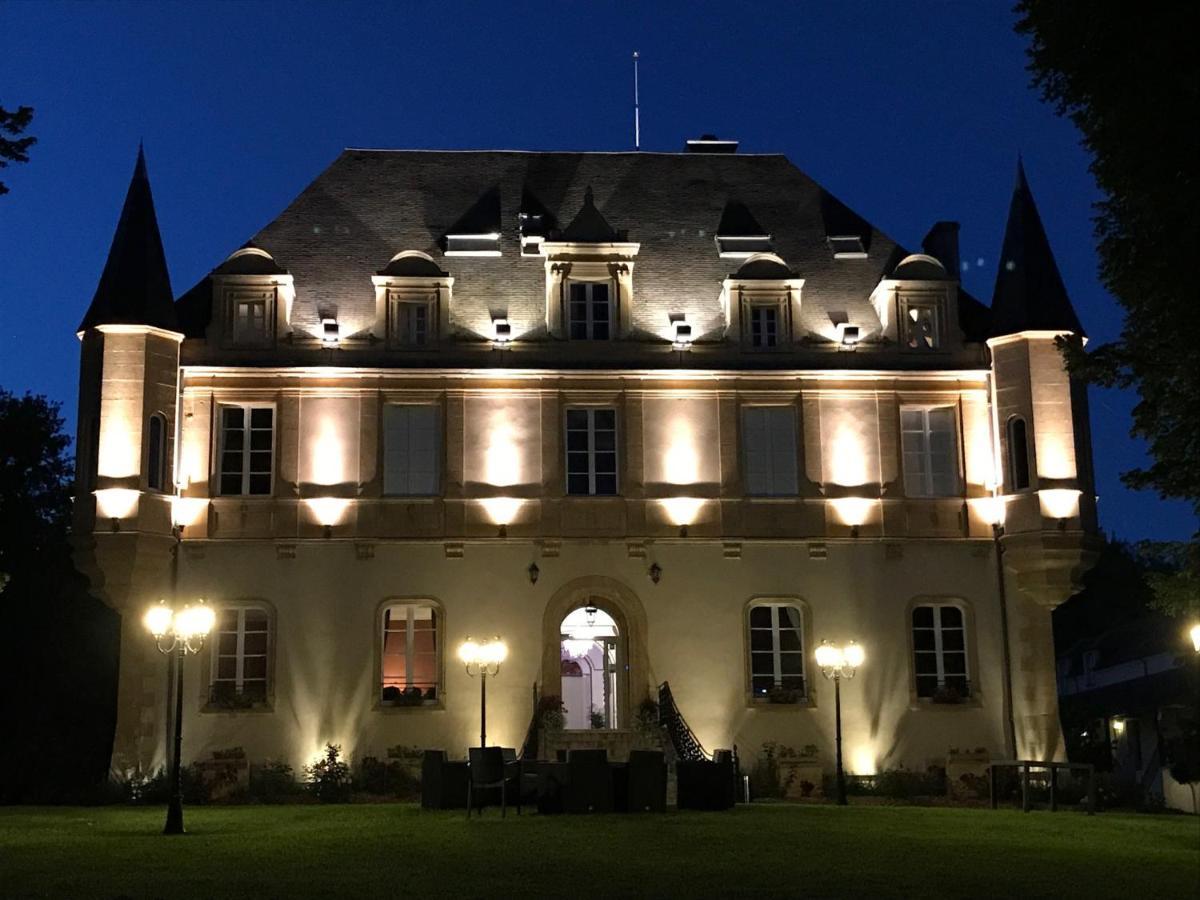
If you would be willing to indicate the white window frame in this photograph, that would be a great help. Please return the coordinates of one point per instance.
(776, 309)
(777, 652)
(245, 451)
(926, 488)
(390, 490)
(591, 451)
(589, 322)
(410, 606)
(939, 650)
(239, 680)
(791, 487)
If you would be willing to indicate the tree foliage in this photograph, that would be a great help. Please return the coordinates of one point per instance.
(1128, 76)
(35, 498)
(13, 148)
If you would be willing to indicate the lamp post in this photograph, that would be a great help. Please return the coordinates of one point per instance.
(482, 658)
(837, 663)
(181, 632)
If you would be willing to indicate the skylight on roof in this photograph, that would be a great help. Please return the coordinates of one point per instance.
(742, 246)
(473, 244)
(847, 246)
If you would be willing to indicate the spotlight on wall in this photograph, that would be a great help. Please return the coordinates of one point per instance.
(655, 572)
(501, 511)
(502, 330)
(683, 335)
(330, 332)
(848, 335)
(534, 573)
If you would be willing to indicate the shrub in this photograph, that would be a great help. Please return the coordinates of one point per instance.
(272, 782)
(386, 779)
(551, 712)
(765, 777)
(329, 777)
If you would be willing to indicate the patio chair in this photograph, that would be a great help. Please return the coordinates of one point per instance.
(522, 776)
(589, 782)
(646, 781)
(487, 773)
(443, 782)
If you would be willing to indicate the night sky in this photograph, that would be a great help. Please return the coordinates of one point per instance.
(909, 112)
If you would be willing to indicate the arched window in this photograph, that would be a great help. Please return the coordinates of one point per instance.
(591, 659)
(939, 640)
(776, 652)
(156, 468)
(1018, 454)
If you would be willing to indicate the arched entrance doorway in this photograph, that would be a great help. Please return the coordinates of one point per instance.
(592, 669)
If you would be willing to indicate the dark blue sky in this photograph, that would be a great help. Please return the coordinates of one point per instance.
(910, 112)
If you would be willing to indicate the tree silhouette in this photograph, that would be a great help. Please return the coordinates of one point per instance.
(13, 148)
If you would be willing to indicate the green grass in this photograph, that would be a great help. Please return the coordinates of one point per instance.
(767, 850)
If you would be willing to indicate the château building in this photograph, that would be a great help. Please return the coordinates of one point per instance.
(648, 417)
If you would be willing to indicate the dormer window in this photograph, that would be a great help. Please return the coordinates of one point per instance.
(764, 325)
(249, 321)
(919, 321)
(412, 301)
(589, 311)
(847, 246)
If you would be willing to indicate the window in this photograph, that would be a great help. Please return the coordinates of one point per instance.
(592, 452)
(764, 326)
(940, 652)
(413, 323)
(589, 312)
(776, 652)
(919, 321)
(240, 657)
(769, 439)
(410, 450)
(249, 321)
(156, 462)
(928, 439)
(247, 449)
(742, 246)
(1018, 455)
(409, 658)
(847, 246)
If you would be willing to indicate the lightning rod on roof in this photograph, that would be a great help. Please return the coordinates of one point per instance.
(637, 122)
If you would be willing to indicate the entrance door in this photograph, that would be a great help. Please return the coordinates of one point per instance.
(590, 645)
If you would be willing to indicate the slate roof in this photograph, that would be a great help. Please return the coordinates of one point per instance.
(135, 288)
(1029, 293)
(370, 205)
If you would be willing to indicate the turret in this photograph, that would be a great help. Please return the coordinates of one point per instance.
(128, 387)
(1044, 471)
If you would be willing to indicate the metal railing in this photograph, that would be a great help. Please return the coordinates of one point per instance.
(683, 739)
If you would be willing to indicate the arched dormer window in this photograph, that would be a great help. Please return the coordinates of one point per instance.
(156, 456)
(412, 301)
(1018, 454)
(760, 301)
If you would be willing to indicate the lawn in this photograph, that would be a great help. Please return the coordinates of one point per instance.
(400, 850)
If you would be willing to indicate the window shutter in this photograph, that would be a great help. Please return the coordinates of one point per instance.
(783, 449)
(943, 452)
(757, 450)
(410, 450)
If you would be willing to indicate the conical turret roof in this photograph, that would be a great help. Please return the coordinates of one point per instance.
(135, 288)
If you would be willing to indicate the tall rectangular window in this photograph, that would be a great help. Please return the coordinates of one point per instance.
(592, 452)
(764, 326)
(940, 652)
(928, 437)
(240, 656)
(156, 462)
(769, 455)
(409, 657)
(411, 450)
(249, 321)
(247, 449)
(589, 312)
(776, 651)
